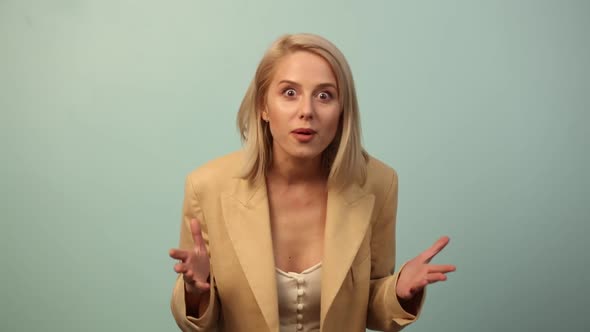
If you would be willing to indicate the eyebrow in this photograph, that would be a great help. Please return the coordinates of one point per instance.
(321, 85)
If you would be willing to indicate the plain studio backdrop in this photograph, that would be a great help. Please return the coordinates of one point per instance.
(481, 106)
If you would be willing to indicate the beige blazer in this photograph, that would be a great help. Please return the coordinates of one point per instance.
(357, 286)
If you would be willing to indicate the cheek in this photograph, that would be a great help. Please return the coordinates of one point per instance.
(334, 121)
(277, 124)
(281, 116)
(278, 106)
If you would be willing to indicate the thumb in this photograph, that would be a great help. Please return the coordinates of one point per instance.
(196, 232)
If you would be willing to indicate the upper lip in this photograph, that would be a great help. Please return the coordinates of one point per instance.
(307, 131)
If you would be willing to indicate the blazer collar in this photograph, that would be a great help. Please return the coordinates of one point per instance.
(246, 217)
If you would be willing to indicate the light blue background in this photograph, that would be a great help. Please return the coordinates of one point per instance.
(105, 106)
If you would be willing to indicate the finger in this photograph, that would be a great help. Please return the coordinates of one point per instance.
(198, 286)
(441, 268)
(435, 277)
(203, 286)
(179, 254)
(180, 268)
(418, 286)
(196, 231)
(435, 249)
(191, 280)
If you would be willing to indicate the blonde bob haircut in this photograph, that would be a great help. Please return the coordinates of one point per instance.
(344, 160)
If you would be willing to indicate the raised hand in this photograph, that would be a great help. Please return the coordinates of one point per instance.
(418, 272)
(194, 263)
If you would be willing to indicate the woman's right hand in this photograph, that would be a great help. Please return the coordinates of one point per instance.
(193, 263)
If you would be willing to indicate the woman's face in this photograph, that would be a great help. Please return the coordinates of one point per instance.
(302, 106)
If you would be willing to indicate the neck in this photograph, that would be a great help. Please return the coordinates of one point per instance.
(292, 171)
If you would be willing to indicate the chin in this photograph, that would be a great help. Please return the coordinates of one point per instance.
(306, 154)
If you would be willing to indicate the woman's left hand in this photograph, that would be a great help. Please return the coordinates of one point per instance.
(418, 272)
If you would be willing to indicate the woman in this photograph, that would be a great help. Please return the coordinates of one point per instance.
(296, 232)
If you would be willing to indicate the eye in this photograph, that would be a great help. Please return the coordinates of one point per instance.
(290, 92)
(325, 95)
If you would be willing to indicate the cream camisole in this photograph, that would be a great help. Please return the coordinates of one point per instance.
(299, 299)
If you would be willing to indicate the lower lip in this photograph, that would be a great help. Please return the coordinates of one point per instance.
(303, 138)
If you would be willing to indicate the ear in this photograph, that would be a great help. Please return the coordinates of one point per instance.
(264, 115)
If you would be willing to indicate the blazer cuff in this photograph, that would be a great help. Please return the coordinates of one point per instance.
(399, 315)
(206, 321)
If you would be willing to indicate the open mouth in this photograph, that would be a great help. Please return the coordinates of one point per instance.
(304, 135)
(307, 132)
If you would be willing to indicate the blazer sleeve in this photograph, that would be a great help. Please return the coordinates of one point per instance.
(385, 313)
(209, 319)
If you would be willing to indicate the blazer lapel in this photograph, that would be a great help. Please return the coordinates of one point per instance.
(247, 220)
(347, 218)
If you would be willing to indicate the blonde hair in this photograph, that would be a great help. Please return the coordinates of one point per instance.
(344, 160)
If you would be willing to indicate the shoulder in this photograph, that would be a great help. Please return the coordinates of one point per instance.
(381, 178)
(216, 174)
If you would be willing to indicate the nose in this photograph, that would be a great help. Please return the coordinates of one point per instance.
(306, 110)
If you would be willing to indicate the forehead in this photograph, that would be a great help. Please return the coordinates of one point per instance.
(304, 68)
